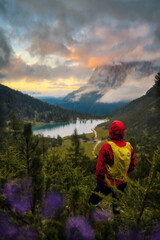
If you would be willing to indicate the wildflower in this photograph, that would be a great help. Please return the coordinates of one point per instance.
(52, 203)
(18, 195)
(156, 234)
(77, 228)
(8, 231)
(101, 215)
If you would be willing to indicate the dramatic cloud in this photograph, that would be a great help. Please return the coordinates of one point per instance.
(18, 69)
(5, 50)
(44, 43)
(62, 41)
(56, 81)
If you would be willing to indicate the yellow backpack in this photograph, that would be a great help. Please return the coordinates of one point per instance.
(122, 159)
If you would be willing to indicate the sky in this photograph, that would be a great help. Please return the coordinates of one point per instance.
(51, 47)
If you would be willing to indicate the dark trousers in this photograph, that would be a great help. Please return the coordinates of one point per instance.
(100, 188)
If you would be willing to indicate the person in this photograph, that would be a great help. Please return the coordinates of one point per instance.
(116, 159)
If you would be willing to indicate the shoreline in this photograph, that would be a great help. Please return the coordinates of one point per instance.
(51, 127)
(41, 124)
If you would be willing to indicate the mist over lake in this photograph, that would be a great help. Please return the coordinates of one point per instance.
(66, 129)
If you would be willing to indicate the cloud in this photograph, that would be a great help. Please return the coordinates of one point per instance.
(124, 93)
(5, 50)
(18, 69)
(95, 61)
(83, 34)
(32, 93)
(2, 8)
(2, 75)
(97, 45)
(44, 42)
(58, 27)
(120, 9)
(83, 90)
(157, 34)
(133, 87)
(80, 13)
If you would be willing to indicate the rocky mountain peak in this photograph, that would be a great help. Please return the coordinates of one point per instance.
(117, 83)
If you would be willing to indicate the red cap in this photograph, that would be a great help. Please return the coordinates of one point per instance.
(116, 130)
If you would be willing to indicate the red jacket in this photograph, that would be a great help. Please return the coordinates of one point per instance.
(116, 134)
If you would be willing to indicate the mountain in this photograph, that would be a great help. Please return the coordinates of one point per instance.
(51, 100)
(141, 118)
(106, 89)
(27, 108)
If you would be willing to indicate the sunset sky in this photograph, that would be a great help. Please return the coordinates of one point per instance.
(51, 47)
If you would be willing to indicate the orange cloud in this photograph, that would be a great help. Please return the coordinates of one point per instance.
(96, 61)
(19, 58)
(88, 61)
(137, 51)
(73, 55)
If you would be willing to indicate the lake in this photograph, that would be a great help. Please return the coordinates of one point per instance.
(67, 129)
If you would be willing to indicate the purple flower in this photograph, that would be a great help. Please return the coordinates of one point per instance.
(18, 195)
(77, 228)
(8, 231)
(52, 203)
(156, 234)
(101, 215)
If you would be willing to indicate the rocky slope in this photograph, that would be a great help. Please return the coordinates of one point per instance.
(110, 87)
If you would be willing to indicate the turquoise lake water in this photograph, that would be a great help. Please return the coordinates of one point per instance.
(67, 129)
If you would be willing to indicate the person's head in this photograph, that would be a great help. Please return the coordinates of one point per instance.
(116, 130)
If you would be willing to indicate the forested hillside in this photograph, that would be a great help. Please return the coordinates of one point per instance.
(141, 118)
(27, 108)
(46, 183)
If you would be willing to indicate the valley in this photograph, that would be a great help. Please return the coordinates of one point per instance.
(63, 164)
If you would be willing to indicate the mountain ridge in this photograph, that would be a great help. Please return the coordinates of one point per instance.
(109, 81)
(28, 108)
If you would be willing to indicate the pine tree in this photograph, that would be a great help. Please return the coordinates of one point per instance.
(37, 175)
(14, 123)
(27, 133)
(59, 140)
(75, 152)
(28, 144)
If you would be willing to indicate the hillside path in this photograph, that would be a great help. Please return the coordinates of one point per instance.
(97, 142)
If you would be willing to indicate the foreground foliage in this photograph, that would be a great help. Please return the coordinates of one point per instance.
(44, 193)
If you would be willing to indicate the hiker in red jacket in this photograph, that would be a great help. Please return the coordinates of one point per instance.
(116, 159)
